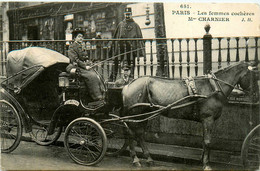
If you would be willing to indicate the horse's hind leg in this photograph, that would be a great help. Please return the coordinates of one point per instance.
(207, 131)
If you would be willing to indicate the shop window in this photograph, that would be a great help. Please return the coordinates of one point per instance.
(68, 22)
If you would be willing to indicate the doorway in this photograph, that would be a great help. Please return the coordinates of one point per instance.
(33, 33)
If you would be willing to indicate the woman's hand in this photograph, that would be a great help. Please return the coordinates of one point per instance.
(88, 67)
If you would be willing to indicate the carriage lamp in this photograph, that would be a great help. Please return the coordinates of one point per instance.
(63, 81)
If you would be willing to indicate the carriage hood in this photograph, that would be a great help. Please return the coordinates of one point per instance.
(26, 64)
(19, 60)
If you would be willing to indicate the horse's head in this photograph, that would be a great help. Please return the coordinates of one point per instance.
(234, 74)
(95, 85)
(246, 80)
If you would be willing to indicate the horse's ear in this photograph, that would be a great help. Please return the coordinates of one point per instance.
(253, 63)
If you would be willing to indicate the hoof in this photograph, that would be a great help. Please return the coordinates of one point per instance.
(150, 163)
(207, 168)
(137, 164)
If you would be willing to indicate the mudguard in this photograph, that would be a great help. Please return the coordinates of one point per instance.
(63, 115)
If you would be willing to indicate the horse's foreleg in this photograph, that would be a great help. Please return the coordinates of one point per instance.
(136, 161)
(207, 131)
(145, 150)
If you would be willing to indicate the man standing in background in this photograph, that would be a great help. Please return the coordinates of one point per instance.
(127, 28)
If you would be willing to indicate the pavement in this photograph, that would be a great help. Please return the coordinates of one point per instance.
(164, 155)
(30, 156)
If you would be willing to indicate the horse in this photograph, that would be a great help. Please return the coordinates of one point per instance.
(156, 91)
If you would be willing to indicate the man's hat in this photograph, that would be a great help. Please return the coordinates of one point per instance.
(126, 67)
(77, 31)
(128, 10)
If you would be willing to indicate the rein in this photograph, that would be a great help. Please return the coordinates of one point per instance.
(155, 113)
(114, 57)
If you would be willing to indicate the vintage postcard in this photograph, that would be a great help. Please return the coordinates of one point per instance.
(92, 85)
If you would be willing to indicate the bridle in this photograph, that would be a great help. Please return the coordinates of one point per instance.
(217, 80)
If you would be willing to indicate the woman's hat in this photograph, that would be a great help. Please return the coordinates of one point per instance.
(77, 31)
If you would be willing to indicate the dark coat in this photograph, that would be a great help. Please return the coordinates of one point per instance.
(129, 29)
(126, 29)
(77, 55)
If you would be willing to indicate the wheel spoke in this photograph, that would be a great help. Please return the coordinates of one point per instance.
(85, 141)
(10, 127)
(79, 135)
(115, 132)
(96, 146)
(93, 154)
(255, 144)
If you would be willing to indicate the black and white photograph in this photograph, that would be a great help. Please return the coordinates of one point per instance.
(129, 85)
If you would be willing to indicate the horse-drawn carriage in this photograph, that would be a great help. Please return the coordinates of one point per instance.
(39, 96)
(43, 99)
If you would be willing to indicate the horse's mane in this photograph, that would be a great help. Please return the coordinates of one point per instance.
(228, 67)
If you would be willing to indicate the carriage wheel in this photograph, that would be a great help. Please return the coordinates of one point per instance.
(116, 138)
(10, 127)
(251, 149)
(85, 141)
(40, 136)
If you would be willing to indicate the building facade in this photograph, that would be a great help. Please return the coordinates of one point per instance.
(56, 20)
(52, 21)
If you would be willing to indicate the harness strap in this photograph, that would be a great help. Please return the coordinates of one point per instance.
(215, 83)
(213, 76)
(148, 93)
(219, 80)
